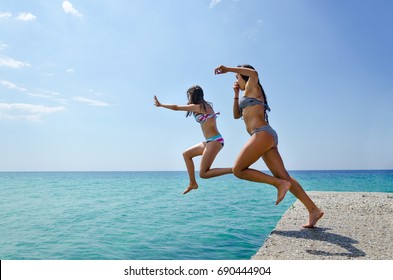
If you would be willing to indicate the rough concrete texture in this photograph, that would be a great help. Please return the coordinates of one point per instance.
(356, 226)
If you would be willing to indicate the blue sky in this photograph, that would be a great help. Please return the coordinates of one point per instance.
(77, 80)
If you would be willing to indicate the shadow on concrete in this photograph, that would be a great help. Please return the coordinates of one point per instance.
(321, 234)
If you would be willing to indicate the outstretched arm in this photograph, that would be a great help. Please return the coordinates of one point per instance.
(190, 107)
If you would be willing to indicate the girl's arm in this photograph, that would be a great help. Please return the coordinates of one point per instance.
(240, 70)
(190, 107)
(236, 109)
(252, 81)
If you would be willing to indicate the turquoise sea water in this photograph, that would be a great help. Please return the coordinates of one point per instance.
(143, 215)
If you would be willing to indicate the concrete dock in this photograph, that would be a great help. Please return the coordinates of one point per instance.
(356, 225)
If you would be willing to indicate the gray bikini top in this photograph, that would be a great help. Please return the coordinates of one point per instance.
(250, 101)
(245, 102)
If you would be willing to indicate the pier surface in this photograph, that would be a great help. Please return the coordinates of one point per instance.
(356, 225)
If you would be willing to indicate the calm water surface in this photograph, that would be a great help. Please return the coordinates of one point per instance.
(143, 215)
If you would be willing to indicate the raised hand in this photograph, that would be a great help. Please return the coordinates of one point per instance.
(156, 102)
(236, 89)
(220, 70)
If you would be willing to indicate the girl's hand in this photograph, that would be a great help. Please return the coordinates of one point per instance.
(156, 102)
(236, 89)
(220, 70)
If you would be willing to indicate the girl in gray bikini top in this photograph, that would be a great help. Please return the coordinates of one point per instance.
(245, 101)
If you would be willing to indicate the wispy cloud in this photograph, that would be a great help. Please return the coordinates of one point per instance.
(91, 102)
(12, 63)
(252, 33)
(213, 3)
(20, 16)
(96, 93)
(69, 9)
(5, 15)
(54, 96)
(26, 17)
(11, 85)
(24, 111)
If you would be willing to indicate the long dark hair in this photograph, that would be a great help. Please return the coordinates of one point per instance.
(246, 79)
(195, 96)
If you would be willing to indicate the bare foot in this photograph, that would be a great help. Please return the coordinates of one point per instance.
(190, 188)
(282, 190)
(313, 218)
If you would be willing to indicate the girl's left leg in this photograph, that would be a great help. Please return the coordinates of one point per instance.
(209, 154)
(188, 155)
(256, 146)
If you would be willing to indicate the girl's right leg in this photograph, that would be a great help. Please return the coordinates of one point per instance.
(256, 146)
(194, 151)
(275, 164)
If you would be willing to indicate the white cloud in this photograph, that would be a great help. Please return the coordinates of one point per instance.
(69, 9)
(90, 102)
(55, 96)
(26, 17)
(32, 108)
(23, 111)
(12, 63)
(5, 15)
(11, 85)
(213, 3)
(21, 16)
(41, 95)
(70, 70)
(95, 92)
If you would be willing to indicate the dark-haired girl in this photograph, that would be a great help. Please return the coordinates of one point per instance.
(204, 114)
(253, 108)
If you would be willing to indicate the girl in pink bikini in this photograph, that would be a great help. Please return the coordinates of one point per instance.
(205, 115)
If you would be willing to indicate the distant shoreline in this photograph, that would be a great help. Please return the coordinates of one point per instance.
(130, 171)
